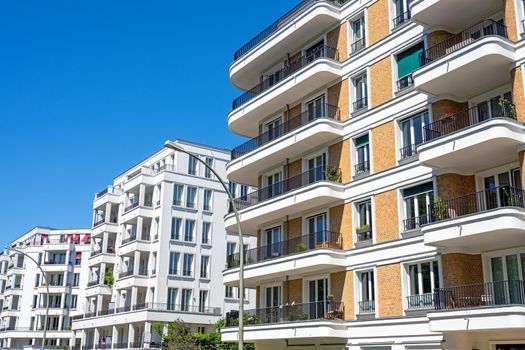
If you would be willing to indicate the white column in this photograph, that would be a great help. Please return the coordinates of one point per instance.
(114, 335)
(107, 215)
(131, 334)
(140, 224)
(96, 336)
(136, 263)
(142, 193)
(104, 242)
(134, 292)
(147, 334)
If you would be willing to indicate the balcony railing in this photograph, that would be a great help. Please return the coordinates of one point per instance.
(304, 118)
(318, 240)
(109, 189)
(322, 310)
(281, 22)
(321, 173)
(358, 45)
(131, 206)
(93, 283)
(367, 307)
(361, 104)
(293, 67)
(420, 302)
(467, 118)
(405, 82)
(499, 197)
(402, 18)
(415, 222)
(124, 274)
(364, 234)
(484, 28)
(129, 239)
(408, 151)
(362, 168)
(479, 295)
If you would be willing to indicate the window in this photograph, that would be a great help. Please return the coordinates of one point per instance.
(363, 229)
(407, 62)
(201, 330)
(272, 296)
(366, 292)
(76, 279)
(358, 34)
(508, 273)
(35, 301)
(190, 197)
(272, 130)
(177, 194)
(78, 258)
(192, 165)
(74, 299)
(273, 242)
(203, 300)
(206, 230)
(37, 280)
(230, 248)
(228, 292)
(315, 51)
(188, 230)
(401, 12)
(362, 155)
(360, 93)
(185, 300)
(232, 187)
(172, 298)
(244, 190)
(205, 262)
(176, 224)
(188, 265)
(207, 171)
(412, 133)
(207, 200)
(174, 263)
(423, 279)
(416, 203)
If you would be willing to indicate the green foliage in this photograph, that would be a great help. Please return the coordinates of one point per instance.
(109, 279)
(300, 247)
(180, 336)
(440, 209)
(362, 227)
(508, 108)
(333, 173)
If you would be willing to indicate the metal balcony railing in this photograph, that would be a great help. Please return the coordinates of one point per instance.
(124, 274)
(358, 45)
(318, 240)
(478, 295)
(364, 234)
(467, 118)
(415, 222)
(322, 310)
(367, 307)
(278, 76)
(405, 82)
(402, 18)
(408, 151)
(129, 239)
(360, 104)
(321, 173)
(482, 29)
(420, 301)
(304, 118)
(131, 206)
(280, 23)
(362, 168)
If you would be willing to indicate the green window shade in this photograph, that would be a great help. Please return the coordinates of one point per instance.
(408, 60)
(361, 141)
(412, 191)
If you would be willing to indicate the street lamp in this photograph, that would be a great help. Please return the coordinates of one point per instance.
(47, 291)
(175, 146)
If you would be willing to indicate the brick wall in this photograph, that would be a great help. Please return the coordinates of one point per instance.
(293, 112)
(295, 291)
(341, 221)
(437, 37)
(295, 168)
(339, 156)
(294, 228)
(383, 147)
(386, 216)
(454, 185)
(518, 93)
(442, 107)
(342, 288)
(380, 82)
(389, 291)
(337, 38)
(257, 297)
(461, 269)
(522, 167)
(338, 95)
(378, 21)
(510, 19)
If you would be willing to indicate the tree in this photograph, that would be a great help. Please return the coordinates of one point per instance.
(179, 337)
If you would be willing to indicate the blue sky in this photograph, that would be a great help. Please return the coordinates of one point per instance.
(88, 88)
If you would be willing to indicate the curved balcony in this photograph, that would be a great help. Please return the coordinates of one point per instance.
(481, 51)
(314, 188)
(456, 142)
(108, 195)
(307, 73)
(451, 14)
(287, 34)
(298, 321)
(305, 254)
(289, 140)
(482, 221)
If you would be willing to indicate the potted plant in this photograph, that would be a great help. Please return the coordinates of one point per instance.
(300, 247)
(109, 279)
(508, 108)
(440, 209)
(333, 173)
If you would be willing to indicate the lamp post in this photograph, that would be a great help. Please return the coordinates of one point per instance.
(174, 146)
(47, 291)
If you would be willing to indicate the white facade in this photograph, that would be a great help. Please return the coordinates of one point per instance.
(63, 255)
(159, 231)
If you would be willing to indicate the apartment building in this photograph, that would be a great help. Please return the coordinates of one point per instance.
(63, 256)
(159, 249)
(386, 140)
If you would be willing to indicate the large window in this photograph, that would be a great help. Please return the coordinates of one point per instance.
(366, 292)
(363, 229)
(362, 155)
(185, 300)
(189, 229)
(187, 269)
(192, 165)
(407, 62)
(508, 274)
(207, 200)
(358, 34)
(207, 171)
(177, 194)
(172, 298)
(401, 12)
(203, 300)
(417, 201)
(176, 224)
(423, 279)
(360, 93)
(412, 133)
(174, 263)
(206, 232)
(191, 193)
(273, 242)
(205, 262)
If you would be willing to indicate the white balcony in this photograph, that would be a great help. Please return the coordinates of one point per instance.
(293, 138)
(452, 14)
(268, 98)
(288, 34)
(290, 197)
(99, 289)
(102, 258)
(133, 212)
(466, 145)
(109, 227)
(467, 64)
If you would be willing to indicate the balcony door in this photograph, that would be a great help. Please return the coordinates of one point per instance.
(508, 273)
(273, 301)
(273, 129)
(316, 108)
(493, 108)
(318, 298)
(273, 242)
(315, 51)
(273, 185)
(316, 168)
(317, 233)
(503, 189)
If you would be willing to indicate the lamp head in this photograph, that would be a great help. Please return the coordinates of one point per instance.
(173, 145)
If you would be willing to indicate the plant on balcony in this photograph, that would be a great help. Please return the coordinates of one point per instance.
(333, 173)
(362, 228)
(507, 107)
(250, 260)
(109, 279)
(295, 313)
(300, 247)
(330, 297)
(440, 209)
